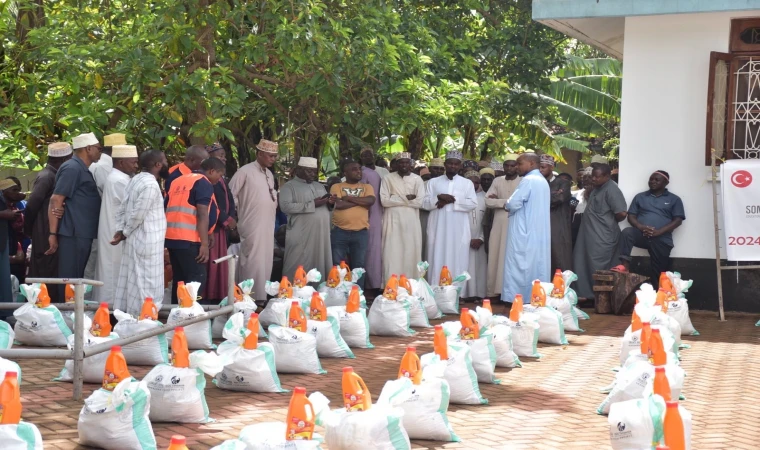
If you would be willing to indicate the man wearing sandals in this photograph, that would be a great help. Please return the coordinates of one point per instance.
(653, 216)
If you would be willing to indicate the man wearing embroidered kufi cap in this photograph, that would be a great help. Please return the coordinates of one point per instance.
(253, 188)
(109, 256)
(307, 240)
(36, 222)
(450, 199)
(496, 197)
(401, 194)
(74, 227)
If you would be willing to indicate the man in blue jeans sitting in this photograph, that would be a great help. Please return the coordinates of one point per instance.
(350, 221)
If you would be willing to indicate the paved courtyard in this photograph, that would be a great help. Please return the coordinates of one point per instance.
(548, 403)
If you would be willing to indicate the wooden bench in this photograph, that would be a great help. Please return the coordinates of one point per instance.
(615, 292)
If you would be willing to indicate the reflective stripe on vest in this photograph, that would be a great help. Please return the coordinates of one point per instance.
(181, 218)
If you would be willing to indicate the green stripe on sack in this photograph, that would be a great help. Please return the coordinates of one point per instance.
(200, 384)
(444, 407)
(335, 327)
(140, 422)
(59, 320)
(397, 437)
(269, 358)
(473, 377)
(26, 432)
(366, 328)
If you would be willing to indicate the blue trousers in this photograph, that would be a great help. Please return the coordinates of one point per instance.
(350, 246)
(73, 253)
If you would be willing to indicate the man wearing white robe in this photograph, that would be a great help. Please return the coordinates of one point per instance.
(478, 267)
(401, 194)
(528, 255)
(141, 224)
(496, 198)
(450, 199)
(114, 189)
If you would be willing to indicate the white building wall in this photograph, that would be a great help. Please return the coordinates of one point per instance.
(665, 76)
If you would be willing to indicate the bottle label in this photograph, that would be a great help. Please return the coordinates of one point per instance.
(296, 324)
(558, 293)
(299, 429)
(407, 374)
(316, 314)
(110, 380)
(95, 329)
(467, 333)
(353, 402)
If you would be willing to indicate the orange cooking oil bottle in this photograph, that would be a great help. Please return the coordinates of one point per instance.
(185, 300)
(252, 340)
(299, 424)
(69, 293)
(299, 280)
(116, 369)
(356, 396)
(403, 282)
(286, 289)
(440, 345)
(178, 442)
(149, 310)
(354, 301)
(487, 305)
(101, 322)
(180, 356)
(43, 298)
(470, 328)
(296, 317)
(333, 278)
(391, 288)
(347, 276)
(445, 278)
(646, 335)
(662, 447)
(661, 386)
(661, 298)
(657, 355)
(537, 295)
(410, 366)
(673, 428)
(516, 309)
(665, 284)
(10, 399)
(238, 294)
(317, 308)
(635, 322)
(558, 291)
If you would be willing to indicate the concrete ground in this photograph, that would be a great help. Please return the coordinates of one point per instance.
(548, 403)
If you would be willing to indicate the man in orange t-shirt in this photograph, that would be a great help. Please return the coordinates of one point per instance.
(350, 221)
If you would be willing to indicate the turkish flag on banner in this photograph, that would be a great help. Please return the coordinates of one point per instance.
(740, 184)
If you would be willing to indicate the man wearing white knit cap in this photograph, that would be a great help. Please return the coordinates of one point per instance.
(109, 256)
(78, 223)
(450, 200)
(307, 240)
(36, 222)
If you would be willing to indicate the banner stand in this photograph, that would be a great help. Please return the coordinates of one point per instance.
(718, 262)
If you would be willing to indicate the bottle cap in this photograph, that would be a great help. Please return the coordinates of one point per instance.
(104, 305)
(656, 330)
(178, 439)
(518, 296)
(438, 327)
(299, 390)
(673, 404)
(343, 262)
(294, 303)
(116, 348)
(179, 329)
(411, 349)
(464, 310)
(11, 374)
(148, 299)
(180, 283)
(485, 300)
(659, 369)
(354, 288)
(393, 275)
(254, 314)
(348, 369)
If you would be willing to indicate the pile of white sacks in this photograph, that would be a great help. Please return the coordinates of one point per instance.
(635, 413)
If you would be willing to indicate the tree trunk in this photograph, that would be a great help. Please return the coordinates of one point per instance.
(486, 147)
(344, 146)
(415, 143)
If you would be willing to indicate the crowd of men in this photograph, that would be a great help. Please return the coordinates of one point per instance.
(105, 212)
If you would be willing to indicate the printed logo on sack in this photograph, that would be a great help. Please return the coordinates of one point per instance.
(620, 434)
(239, 379)
(223, 376)
(159, 378)
(100, 411)
(741, 179)
(175, 380)
(621, 426)
(34, 324)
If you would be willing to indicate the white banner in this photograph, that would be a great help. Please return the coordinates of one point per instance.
(740, 183)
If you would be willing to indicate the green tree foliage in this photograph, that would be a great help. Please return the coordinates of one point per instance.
(315, 75)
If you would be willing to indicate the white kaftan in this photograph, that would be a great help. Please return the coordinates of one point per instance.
(100, 171)
(142, 220)
(402, 234)
(478, 268)
(448, 228)
(109, 256)
(502, 189)
(252, 187)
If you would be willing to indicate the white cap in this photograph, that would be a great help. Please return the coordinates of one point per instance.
(83, 140)
(309, 163)
(124, 151)
(598, 159)
(59, 149)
